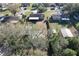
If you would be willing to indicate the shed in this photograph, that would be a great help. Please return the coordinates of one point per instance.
(66, 32)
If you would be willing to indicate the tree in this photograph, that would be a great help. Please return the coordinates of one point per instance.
(58, 44)
(21, 39)
(71, 7)
(13, 8)
(69, 52)
(74, 44)
(77, 26)
(40, 7)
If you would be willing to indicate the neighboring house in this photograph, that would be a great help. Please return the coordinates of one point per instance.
(56, 18)
(9, 19)
(57, 11)
(66, 32)
(24, 6)
(36, 17)
(3, 6)
(50, 5)
(65, 17)
(60, 17)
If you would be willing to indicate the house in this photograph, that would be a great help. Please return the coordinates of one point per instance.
(9, 19)
(3, 6)
(64, 18)
(36, 17)
(49, 5)
(66, 32)
(24, 6)
(56, 18)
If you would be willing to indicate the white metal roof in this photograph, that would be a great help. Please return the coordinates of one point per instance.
(66, 32)
(33, 18)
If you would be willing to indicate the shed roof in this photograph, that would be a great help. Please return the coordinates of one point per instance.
(66, 32)
(9, 18)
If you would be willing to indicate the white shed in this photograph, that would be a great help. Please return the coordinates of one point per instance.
(66, 32)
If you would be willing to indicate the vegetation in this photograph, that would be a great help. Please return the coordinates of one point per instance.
(40, 7)
(13, 8)
(77, 25)
(26, 39)
(69, 52)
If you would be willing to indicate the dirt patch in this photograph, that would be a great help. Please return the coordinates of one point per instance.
(41, 25)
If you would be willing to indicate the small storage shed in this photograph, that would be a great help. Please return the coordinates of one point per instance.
(66, 32)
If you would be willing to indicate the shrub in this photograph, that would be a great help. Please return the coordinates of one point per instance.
(69, 52)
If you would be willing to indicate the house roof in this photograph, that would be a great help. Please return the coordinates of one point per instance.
(49, 4)
(25, 4)
(66, 32)
(56, 17)
(9, 18)
(36, 16)
(64, 17)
